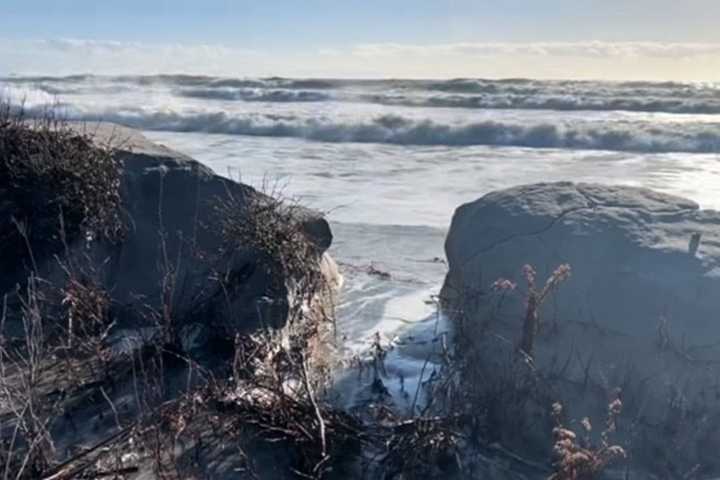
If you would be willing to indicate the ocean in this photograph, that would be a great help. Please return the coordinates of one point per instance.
(390, 160)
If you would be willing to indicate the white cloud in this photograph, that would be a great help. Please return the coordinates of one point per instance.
(556, 49)
(91, 46)
(559, 60)
(590, 59)
(96, 47)
(71, 55)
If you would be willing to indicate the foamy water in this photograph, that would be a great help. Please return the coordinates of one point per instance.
(389, 161)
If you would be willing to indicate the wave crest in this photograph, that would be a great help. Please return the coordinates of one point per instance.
(670, 97)
(394, 129)
(256, 95)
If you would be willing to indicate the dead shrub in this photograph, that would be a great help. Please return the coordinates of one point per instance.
(272, 225)
(535, 299)
(52, 174)
(423, 448)
(27, 448)
(577, 458)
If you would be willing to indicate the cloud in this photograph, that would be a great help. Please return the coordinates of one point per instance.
(640, 60)
(74, 55)
(115, 47)
(595, 49)
(91, 46)
(559, 60)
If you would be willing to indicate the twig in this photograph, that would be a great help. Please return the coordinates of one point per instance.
(59, 471)
(318, 413)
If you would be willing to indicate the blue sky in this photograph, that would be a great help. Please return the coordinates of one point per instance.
(611, 38)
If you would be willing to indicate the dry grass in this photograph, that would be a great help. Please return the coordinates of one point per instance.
(27, 448)
(272, 225)
(57, 188)
(423, 448)
(53, 175)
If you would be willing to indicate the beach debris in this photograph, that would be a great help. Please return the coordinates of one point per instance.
(376, 272)
(694, 243)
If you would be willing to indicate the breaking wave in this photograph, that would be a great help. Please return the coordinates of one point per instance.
(191, 81)
(256, 94)
(558, 102)
(296, 108)
(26, 97)
(633, 136)
(670, 97)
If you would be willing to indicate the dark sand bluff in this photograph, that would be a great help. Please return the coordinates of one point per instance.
(171, 207)
(638, 318)
(197, 288)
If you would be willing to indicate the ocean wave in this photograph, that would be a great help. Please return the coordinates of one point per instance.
(566, 95)
(586, 87)
(648, 102)
(459, 85)
(26, 97)
(272, 82)
(47, 78)
(559, 103)
(256, 94)
(634, 136)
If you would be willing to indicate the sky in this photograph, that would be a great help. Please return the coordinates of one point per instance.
(563, 39)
